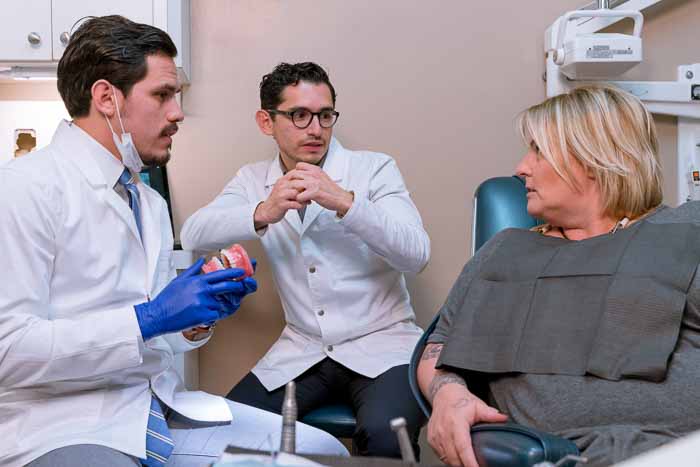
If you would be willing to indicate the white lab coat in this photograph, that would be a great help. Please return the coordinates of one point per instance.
(340, 281)
(73, 366)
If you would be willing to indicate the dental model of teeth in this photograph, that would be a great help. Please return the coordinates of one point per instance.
(234, 256)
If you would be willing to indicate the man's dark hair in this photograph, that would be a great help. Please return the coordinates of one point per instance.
(286, 74)
(109, 47)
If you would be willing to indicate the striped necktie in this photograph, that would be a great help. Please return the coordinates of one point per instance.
(127, 181)
(159, 444)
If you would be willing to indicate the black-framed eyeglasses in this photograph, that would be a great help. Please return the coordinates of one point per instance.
(301, 118)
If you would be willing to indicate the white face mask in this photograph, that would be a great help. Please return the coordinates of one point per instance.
(125, 146)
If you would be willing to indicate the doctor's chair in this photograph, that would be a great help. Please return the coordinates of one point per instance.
(499, 203)
(336, 419)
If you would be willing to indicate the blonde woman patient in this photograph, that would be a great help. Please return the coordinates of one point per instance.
(587, 326)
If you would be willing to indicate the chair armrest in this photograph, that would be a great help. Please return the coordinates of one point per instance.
(499, 444)
(413, 368)
(512, 445)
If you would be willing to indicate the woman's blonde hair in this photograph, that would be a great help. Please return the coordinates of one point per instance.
(611, 134)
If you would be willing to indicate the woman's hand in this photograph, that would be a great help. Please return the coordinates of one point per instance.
(455, 410)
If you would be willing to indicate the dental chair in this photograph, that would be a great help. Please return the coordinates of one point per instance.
(499, 203)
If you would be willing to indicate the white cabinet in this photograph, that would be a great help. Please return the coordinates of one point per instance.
(65, 14)
(38, 30)
(26, 36)
(34, 33)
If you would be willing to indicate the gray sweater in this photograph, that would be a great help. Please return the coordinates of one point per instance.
(608, 420)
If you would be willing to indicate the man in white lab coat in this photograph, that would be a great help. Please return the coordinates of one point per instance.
(340, 231)
(90, 311)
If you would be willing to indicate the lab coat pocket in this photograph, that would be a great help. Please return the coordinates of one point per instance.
(13, 419)
(290, 346)
(75, 413)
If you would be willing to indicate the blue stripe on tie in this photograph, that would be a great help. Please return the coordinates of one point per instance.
(159, 445)
(127, 181)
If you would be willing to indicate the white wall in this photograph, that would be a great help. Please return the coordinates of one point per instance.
(42, 116)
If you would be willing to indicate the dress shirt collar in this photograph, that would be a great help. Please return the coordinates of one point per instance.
(110, 167)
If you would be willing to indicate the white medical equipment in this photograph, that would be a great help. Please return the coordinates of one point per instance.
(577, 52)
(597, 55)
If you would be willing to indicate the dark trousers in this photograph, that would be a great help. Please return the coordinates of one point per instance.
(375, 402)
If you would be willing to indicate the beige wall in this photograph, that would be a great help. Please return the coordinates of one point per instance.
(436, 84)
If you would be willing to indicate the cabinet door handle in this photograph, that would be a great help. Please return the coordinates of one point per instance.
(34, 38)
(64, 38)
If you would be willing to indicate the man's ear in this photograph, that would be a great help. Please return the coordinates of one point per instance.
(264, 121)
(102, 98)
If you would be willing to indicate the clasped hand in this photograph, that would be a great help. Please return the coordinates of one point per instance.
(297, 188)
(193, 298)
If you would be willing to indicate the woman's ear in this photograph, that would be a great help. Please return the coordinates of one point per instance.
(264, 121)
(590, 174)
(103, 98)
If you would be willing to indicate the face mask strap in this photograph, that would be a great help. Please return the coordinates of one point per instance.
(119, 116)
(109, 125)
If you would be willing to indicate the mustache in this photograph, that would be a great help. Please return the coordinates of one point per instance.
(170, 130)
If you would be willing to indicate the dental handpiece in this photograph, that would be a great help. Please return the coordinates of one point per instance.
(398, 426)
(289, 418)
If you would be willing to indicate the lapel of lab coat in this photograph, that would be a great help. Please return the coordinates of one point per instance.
(78, 151)
(151, 225)
(335, 166)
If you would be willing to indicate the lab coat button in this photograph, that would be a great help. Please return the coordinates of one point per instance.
(312, 269)
(330, 348)
(321, 312)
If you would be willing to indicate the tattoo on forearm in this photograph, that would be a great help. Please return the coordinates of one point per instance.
(431, 351)
(440, 381)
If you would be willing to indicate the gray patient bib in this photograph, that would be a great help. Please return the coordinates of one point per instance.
(610, 306)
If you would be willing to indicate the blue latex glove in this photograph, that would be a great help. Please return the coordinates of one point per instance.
(191, 299)
(249, 284)
(233, 300)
